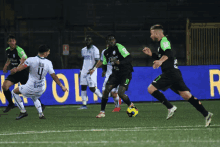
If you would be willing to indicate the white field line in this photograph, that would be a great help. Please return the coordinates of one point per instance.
(110, 142)
(140, 129)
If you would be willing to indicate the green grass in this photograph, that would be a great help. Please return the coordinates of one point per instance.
(67, 126)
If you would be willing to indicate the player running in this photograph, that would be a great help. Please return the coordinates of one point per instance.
(91, 56)
(106, 72)
(171, 76)
(121, 75)
(35, 86)
(15, 56)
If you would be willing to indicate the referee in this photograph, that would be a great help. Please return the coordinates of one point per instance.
(171, 76)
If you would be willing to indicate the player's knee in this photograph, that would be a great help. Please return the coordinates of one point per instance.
(121, 92)
(151, 89)
(185, 95)
(5, 87)
(92, 89)
(114, 95)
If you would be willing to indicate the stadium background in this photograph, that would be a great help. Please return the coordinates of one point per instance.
(59, 22)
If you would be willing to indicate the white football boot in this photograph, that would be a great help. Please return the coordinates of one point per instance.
(171, 112)
(208, 119)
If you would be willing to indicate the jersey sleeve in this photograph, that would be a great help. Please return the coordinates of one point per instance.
(104, 62)
(82, 53)
(165, 44)
(21, 53)
(28, 61)
(122, 50)
(96, 54)
(51, 70)
(101, 58)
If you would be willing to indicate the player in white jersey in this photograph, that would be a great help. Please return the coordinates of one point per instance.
(35, 86)
(107, 71)
(91, 56)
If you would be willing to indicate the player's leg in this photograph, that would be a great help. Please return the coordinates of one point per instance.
(162, 82)
(92, 82)
(38, 106)
(19, 102)
(115, 96)
(84, 97)
(7, 93)
(198, 105)
(111, 83)
(125, 80)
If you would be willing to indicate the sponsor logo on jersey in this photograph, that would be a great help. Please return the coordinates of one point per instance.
(13, 55)
(114, 52)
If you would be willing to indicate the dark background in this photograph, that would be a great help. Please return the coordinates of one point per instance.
(58, 22)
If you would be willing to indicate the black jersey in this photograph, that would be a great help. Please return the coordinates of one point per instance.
(171, 62)
(15, 55)
(118, 52)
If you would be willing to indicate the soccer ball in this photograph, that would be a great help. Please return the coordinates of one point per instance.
(132, 111)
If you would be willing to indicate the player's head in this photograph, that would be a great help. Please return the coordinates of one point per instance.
(156, 32)
(11, 41)
(110, 40)
(88, 41)
(44, 50)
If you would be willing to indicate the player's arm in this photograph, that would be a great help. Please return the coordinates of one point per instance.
(19, 68)
(166, 47)
(22, 55)
(125, 54)
(56, 79)
(7, 63)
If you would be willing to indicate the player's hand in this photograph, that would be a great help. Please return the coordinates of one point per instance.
(103, 74)
(13, 71)
(64, 89)
(91, 71)
(5, 70)
(147, 51)
(157, 64)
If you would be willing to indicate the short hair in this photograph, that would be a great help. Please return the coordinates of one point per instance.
(10, 37)
(43, 48)
(156, 27)
(110, 36)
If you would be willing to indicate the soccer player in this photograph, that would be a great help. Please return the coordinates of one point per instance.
(106, 72)
(15, 57)
(35, 86)
(91, 56)
(121, 75)
(171, 76)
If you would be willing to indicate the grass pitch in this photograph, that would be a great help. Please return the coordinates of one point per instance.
(67, 126)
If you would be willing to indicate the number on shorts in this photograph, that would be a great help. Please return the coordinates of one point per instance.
(40, 72)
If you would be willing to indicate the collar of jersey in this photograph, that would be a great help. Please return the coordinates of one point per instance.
(40, 57)
(9, 47)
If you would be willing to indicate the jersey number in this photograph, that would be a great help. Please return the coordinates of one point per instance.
(40, 71)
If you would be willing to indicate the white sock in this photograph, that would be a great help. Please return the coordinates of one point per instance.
(84, 97)
(38, 106)
(19, 102)
(116, 101)
(98, 93)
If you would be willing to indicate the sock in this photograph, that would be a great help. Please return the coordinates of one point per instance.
(19, 102)
(38, 106)
(116, 101)
(103, 104)
(84, 97)
(197, 104)
(98, 93)
(126, 100)
(160, 97)
(8, 97)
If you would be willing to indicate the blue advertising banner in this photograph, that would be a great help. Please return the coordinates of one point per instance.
(203, 81)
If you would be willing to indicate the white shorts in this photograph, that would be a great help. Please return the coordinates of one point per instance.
(115, 90)
(30, 92)
(90, 80)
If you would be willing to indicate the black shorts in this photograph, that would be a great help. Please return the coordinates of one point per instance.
(21, 77)
(117, 78)
(170, 79)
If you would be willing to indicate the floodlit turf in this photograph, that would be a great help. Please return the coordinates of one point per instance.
(67, 126)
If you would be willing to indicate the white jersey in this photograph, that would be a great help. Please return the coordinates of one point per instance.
(109, 65)
(89, 56)
(39, 67)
